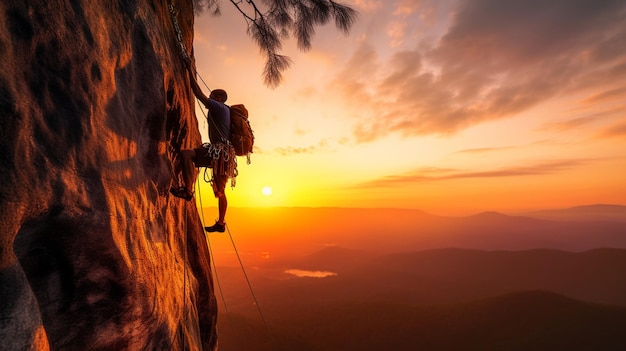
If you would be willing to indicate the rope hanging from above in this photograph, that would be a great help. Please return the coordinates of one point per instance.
(179, 34)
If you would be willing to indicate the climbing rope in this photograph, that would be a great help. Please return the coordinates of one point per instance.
(179, 34)
(183, 51)
(256, 301)
(212, 258)
(184, 317)
(228, 154)
(221, 152)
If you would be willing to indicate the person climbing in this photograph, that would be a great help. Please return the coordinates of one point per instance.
(218, 155)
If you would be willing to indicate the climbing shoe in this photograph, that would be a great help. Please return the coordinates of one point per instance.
(182, 192)
(216, 228)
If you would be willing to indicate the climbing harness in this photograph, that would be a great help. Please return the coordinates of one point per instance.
(223, 155)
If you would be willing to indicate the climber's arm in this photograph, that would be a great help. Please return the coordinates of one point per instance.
(193, 82)
(196, 89)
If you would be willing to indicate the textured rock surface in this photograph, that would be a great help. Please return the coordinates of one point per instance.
(95, 254)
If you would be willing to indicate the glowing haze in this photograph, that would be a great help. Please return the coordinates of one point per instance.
(451, 107)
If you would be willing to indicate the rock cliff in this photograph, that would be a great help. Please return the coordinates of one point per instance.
(95, 254)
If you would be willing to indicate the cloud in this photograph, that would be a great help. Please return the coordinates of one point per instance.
(616, 130)
(497, 58)
(595, 115)
(569, 124)
(605, 96)
(367, 5)
(440, 174)
(395, 31)
(405, 13)
(322, 145)
(291, 150)
(483, 150)
(300, 132)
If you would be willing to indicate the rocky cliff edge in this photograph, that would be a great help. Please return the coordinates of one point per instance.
(95, 253)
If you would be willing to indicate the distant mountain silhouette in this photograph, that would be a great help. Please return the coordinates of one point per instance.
(598, 212)
(391, 230)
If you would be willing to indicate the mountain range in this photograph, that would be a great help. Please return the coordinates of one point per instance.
(295, 232)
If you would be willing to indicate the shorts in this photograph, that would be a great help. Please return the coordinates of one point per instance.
(205, 159)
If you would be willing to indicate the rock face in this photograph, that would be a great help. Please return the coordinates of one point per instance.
(95, 253)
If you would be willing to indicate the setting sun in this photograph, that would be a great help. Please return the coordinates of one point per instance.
(267, 191)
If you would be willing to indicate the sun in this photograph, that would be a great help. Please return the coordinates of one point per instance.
(267, 191)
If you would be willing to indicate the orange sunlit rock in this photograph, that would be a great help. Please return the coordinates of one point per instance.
(95, 252)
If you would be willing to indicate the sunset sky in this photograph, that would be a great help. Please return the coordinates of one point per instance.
(451, 107)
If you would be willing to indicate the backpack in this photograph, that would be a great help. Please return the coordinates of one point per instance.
(241, 134)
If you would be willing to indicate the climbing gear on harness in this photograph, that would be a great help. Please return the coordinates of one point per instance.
(224, 162)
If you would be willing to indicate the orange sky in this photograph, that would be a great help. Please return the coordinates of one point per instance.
(451, 107)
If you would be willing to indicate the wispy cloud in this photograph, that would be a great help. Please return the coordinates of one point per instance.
(291, 150)
(614, 131)
(322, 145)
(440, 174)
(604, 96)
(586, 118)
(569, 124)
(301, 132)
(482, 150)
(495, 60)
(368, 5)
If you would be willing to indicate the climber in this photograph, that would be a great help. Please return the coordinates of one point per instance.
(217, 155)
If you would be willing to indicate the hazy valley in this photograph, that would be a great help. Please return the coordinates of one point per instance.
(407, 280)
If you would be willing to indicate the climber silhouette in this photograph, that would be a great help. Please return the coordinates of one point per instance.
(217, 155)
